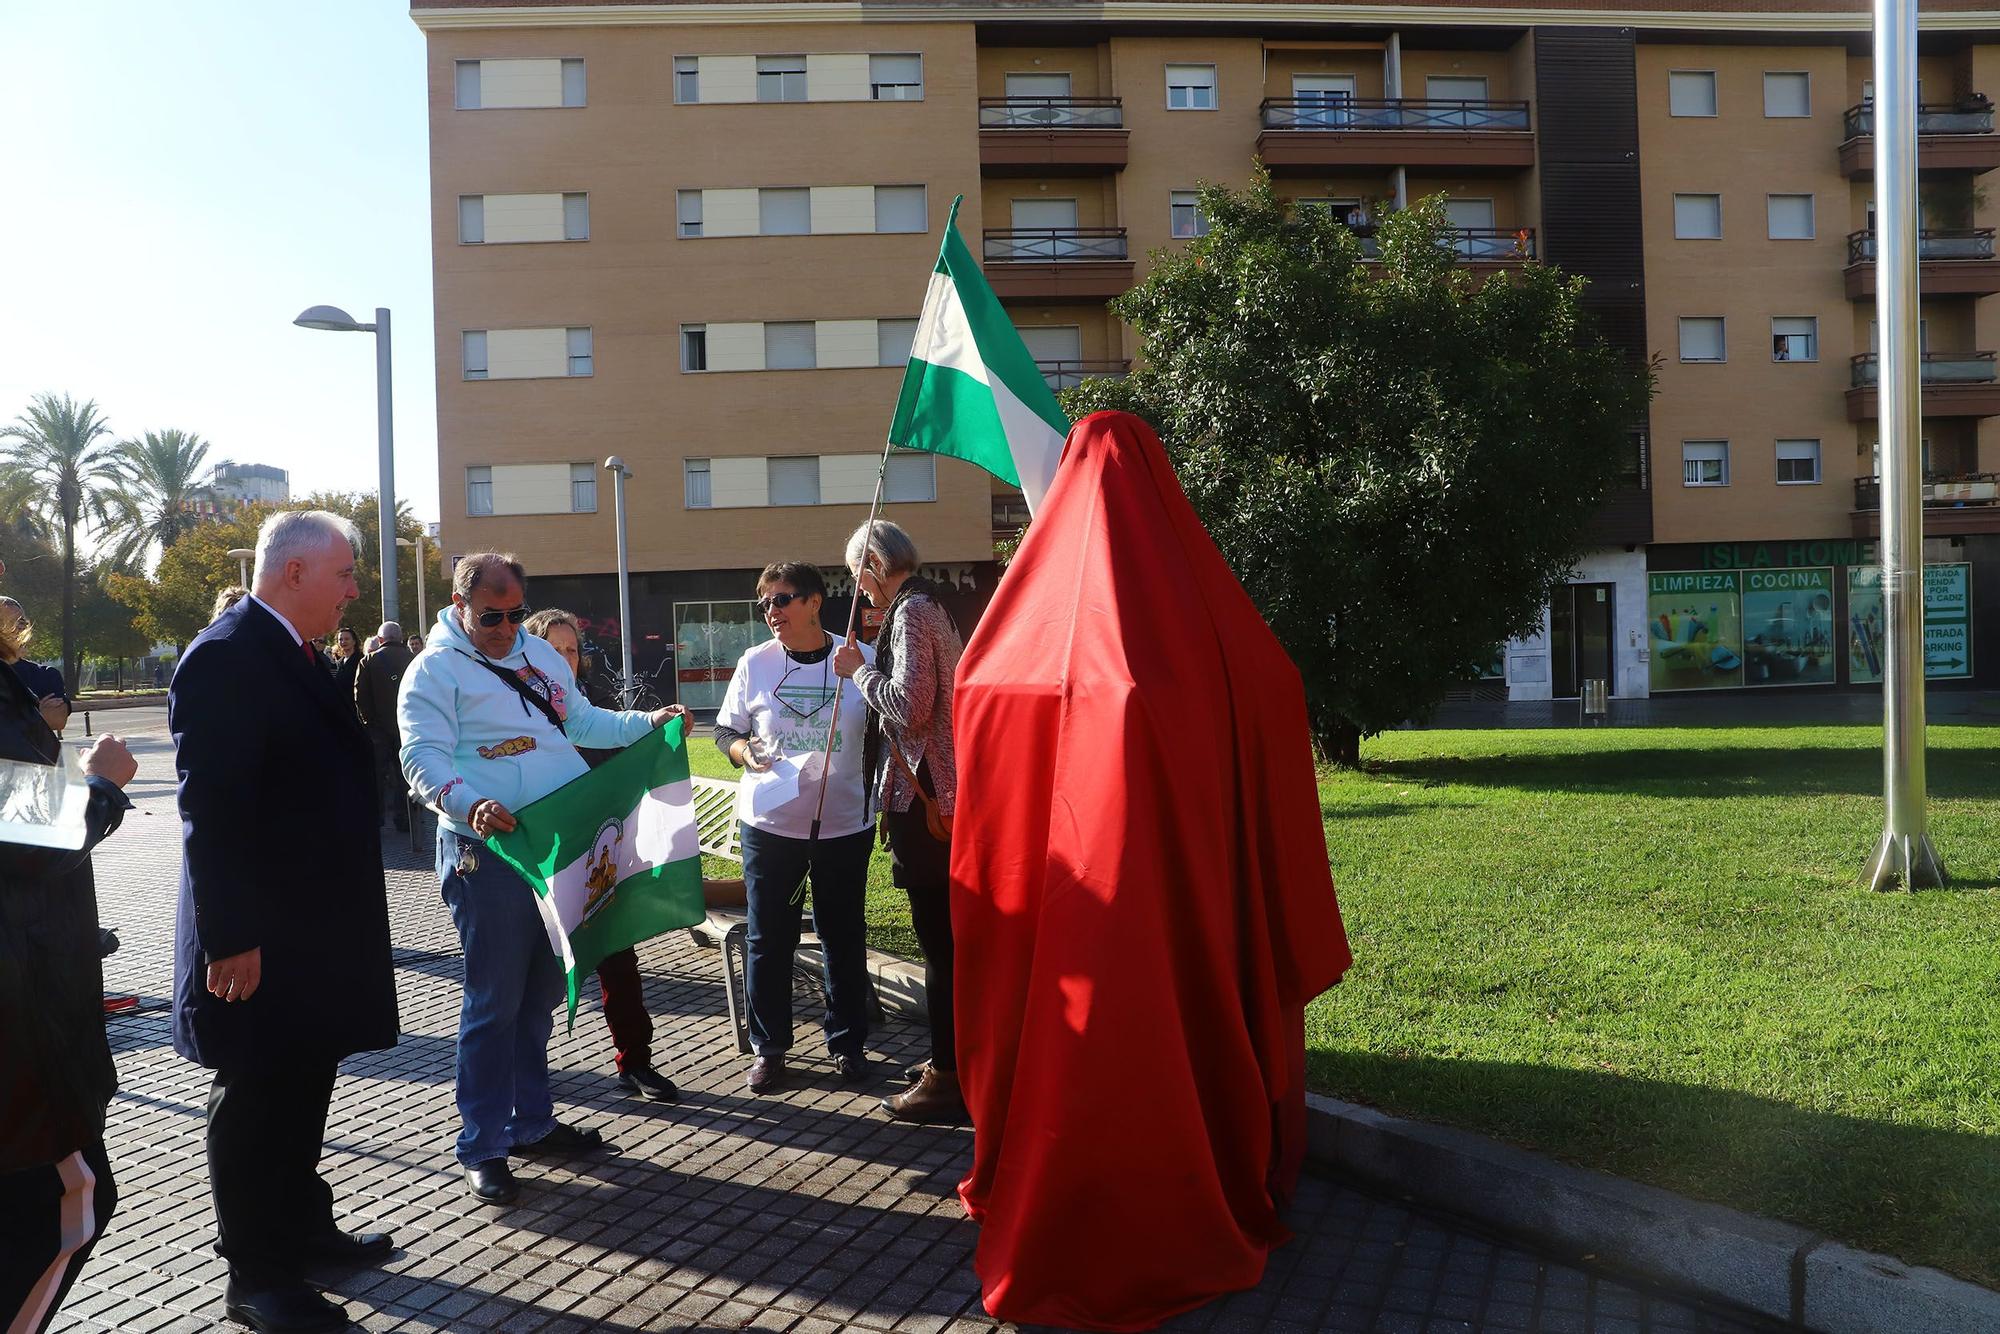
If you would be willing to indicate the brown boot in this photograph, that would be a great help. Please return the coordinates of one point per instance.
(934, 1101)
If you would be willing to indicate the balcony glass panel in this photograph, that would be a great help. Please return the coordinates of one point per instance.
(1051, 113)
(1365, 113)
(1938, 368)
(1945, 118)
(1042, 244)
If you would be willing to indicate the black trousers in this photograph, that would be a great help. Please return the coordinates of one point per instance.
(266, 1128)
(50, 1219)
(389, 774)
(922, 866)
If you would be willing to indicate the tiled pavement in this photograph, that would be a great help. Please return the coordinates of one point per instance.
(806, 1212)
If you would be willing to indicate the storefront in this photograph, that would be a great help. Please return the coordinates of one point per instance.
(1592, 630)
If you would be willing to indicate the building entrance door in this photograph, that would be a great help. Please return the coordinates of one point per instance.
(1580, 621)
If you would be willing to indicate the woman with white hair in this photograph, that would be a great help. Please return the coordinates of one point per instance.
(907, 758)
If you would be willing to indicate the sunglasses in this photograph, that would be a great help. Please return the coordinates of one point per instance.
(489, 619)
(778, 600)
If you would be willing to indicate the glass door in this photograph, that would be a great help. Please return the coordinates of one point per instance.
(1580, 621)
(708, 639)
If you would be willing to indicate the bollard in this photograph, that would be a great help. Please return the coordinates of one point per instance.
(86, 722)
(1595, 699)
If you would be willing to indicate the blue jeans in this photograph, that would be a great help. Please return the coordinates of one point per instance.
(513, 982)
(773, 869)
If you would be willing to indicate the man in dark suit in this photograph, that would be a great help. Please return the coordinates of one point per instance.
(376, 685)
(281, 960)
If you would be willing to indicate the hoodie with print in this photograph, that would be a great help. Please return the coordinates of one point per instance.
(469, 737)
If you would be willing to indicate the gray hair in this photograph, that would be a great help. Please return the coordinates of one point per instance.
(389, 630)
(485, 567)
(295, 534)
(891, 548)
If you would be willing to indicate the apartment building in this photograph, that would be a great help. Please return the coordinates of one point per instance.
(695, 236)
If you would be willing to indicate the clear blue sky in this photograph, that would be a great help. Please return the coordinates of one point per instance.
(184, 178)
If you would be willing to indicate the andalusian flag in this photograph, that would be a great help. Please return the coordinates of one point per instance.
(612, 855)
(971, 390)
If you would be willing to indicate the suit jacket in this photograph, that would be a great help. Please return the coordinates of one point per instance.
(376, 684)
(282, 851)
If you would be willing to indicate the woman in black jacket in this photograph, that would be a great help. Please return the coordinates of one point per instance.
(56, 1074)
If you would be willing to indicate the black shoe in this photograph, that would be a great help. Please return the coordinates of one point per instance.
(853, 1068)
(649, 1084)
(915, 1074)
(348, 1248)
(492, 1183)
(767, 1074)
(291, 1309)
(561, 1143)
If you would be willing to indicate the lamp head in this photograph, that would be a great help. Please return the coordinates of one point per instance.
(328, 317)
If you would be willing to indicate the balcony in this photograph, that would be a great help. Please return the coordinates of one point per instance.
(1951, 136)
(1949, 263)
(1051, 136)
(1057, 263)
(1955, 384)
(1069, 375)
(1954, 503)
(1307, 136)
(1010, 515)
(1484, 250)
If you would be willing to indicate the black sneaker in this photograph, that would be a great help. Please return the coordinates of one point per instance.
(649, 1084)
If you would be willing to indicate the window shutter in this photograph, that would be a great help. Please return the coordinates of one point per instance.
(472, 219)
(900, 208)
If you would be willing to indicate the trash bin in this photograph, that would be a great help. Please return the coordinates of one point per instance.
(1596, 699)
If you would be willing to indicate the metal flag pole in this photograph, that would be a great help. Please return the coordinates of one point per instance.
(853, 618)
(1905, 855)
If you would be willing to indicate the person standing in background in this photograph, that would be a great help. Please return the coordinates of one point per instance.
(377, 682)
(45, 684)
(346, 655)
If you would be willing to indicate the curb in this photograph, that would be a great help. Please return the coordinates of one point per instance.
(1775, 1269)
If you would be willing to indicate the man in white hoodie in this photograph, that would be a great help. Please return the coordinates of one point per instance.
(491, 719)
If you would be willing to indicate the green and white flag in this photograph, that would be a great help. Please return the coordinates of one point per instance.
(612, 855)
(972, 390)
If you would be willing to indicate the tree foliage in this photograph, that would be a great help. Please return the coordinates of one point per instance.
(366, 612)
(54, 460)
(1398, 461)
(156, 478)
(174, 604)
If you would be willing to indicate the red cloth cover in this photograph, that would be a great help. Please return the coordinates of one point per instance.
(1141, 904)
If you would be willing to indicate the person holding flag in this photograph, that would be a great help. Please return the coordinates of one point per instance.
(491, 719)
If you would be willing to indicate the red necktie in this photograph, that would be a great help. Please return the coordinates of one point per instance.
(312, 654)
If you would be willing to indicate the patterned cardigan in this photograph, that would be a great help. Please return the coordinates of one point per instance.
(911, 697)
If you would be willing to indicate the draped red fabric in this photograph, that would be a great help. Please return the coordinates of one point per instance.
(1141, 905)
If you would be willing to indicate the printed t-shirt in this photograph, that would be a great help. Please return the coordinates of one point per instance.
(786, 706)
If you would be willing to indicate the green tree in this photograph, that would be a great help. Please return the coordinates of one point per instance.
(174, 604)
(106, 628)
(1398, 460)
(365, 613)
(56, 450)
(148, 505)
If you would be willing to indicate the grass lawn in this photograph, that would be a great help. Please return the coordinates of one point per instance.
(1648, 951)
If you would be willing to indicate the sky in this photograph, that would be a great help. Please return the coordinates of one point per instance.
(182, 179)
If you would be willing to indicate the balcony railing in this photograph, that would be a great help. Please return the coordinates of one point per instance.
(1051, 113)
(1040, 245)
(1392, 113)
(1938, 368)
(1474, 244)
(1969, 117)
(1941, 491)
(1010, 513)
(1932, 243)
(1062, 375)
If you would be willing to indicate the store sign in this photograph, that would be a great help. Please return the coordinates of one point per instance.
(1694, 621)
(1947, 622)
(1782, 555)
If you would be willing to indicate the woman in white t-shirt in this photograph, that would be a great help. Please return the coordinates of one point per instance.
(773, 724)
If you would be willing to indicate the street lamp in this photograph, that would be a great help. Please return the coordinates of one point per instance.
(627, 688)
(422, 619)
(242, 556)
(338, 320)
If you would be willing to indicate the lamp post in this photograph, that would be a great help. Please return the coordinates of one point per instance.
(242, 556)
(422, 619)
(626, 689)
(338, 320)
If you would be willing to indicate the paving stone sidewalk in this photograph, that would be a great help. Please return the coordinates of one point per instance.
(806, 1212)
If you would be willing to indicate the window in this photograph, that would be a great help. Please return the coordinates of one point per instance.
(1698, 217)
(1787, 94)
(576, 217)
(687, 78)
(582, 489)
(690, 212)
(1446, 88)
(1190, 87)
(894, 340)
(784, 212)
(1701, 338)
(1691, 92)
(793, 481)
(1186, 215)
(697, 484)
(572, 81)
(1790, 217)
(896, 78)
(694, 347)
(475, 354)
(1704, 463)
(1795, 338)
(790, 346)
(1038, 85)
(900, 208)
(912, 476)
(1798, 462)
(781, 78)
(471, 219)
(521, 86)
(478, 491)
(466, 89)
(579, 352)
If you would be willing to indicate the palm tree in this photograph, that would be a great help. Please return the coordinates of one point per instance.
(55, 449)
(157, 476)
